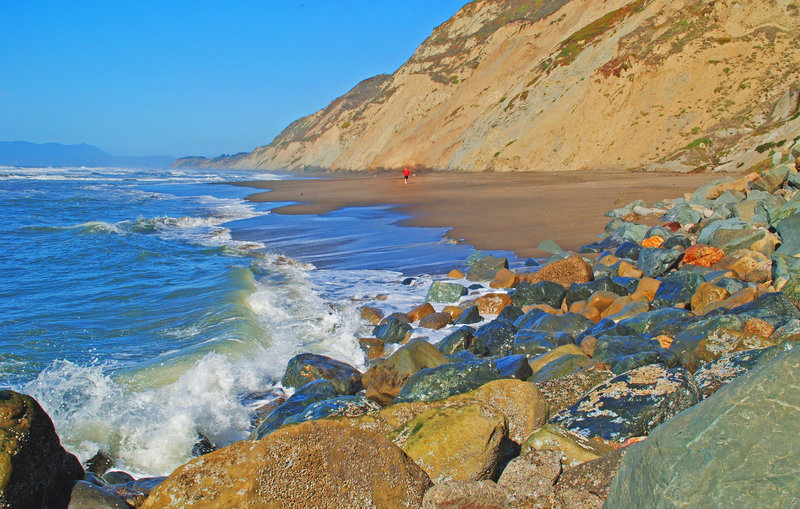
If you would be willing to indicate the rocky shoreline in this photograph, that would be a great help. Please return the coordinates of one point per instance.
(653, 367)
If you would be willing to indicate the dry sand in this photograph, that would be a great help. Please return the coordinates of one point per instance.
(506, 211)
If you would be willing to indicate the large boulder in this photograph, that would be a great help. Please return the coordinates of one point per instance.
(307, 367)
(307, 395)
(631, 404)
(313, 464)
(384, 380)
(462, 443)
(734, 449)
(545, 292)
(35, 471)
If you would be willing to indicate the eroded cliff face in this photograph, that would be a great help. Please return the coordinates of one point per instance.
(568, 85)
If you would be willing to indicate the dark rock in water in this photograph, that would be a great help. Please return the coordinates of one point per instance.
(305, 396)
(605, 327)
(86, 495)
(470, 315)
(510, 313)
(307, 367)
(561, 366)
(93, 478)
(733, 449)
(458, 340)
(486, 267)
(656, 261)
(632, 404)
(117, 477)
(677, 288)
(475, 286)
(624, 353)
(35, 470)
(99, 463)
(135, 492)
(545, 292)
(527, 320)
(571, 323)
(493, 339)
(774, 308)
(583, 291)
(447, 380)
(445, 292)
(408, 281)
(532, 343)
(514, 366)
(204, 445)
(629, 250)
(393, 331)
(532, 262)
(343, 406)
(652, 322)
(710, 377)
(679, 241)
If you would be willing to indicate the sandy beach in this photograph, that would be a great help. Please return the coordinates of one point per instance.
(506, 211)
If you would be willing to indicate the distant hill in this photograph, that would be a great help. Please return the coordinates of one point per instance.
(23, 153)
(511, 85)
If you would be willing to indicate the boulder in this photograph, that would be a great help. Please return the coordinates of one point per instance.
(492, 303)
(677, 288)
(384, 380)
(565, 272)
(35, 470)
(458, 340)
(655, 262)
(371, 315)
(530, 477)
(587, 485)
(533, 343)
(85, 495)
(623, 353)
(732, 240)
(393, 331)
(461, 443)
(774, 308)
(545, 292)
(702, 255)
(458, 494)
(632, 404)
(484, 268)
(539, 362)
(373, 347)
(316, 463)
(565, 391)
(304, 397)
(505, 279)
(721, 341)
(447, 380)
(571, 323)
(470, 314)
(445, 292)
(514, 366)
(342, 406)
(561, 366)
(573, 449)
(707, 293)
(436, 321)
(494, 338)
(749, 425)
(710, 377)
(584, 291)
(421, 311)
(307, 367)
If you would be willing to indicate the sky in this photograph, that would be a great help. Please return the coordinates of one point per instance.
(170, 77)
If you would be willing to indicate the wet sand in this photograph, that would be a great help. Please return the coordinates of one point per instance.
(504, 211)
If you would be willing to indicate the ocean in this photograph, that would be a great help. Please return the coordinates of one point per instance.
(143, 309)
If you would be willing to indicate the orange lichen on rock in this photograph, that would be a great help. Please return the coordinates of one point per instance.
(702, 255)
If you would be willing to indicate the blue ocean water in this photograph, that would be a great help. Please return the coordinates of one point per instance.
(141, 308)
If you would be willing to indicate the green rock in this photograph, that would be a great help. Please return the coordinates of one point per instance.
(699, 195)
(728, 198)
(447, 380)
(732, 240)
(789, 231)
(549, 246)
(733, 449)
(784, 266)
(496, 338)
(707, 233)
(307, 367)
(533, 343)
(792, 290)
(545, 292)
(632, 232)
(684, 214)
(458, 340)
(677, 288)
(445, 292)
(393, 331)
(343, 406)
(652, 321)
(35, 471)
(386, 379)
(571, 323)
(486, 267)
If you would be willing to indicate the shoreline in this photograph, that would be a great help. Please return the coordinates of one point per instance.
(490, 211)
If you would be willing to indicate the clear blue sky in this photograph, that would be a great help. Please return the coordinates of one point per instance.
(192, 77)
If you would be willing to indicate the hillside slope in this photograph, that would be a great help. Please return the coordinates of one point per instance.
(567, 85)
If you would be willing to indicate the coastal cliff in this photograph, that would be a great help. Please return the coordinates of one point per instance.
(567, 85)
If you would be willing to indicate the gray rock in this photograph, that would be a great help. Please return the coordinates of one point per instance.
(734, 449)
(445, 292)
(655, 262)
(486, 267)
(86, 495)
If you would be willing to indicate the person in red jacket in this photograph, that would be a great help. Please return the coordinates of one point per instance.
(406, 173)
